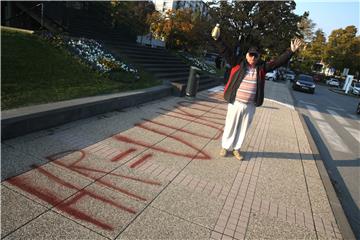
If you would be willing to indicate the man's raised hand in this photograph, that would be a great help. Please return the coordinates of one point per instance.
(295, 44)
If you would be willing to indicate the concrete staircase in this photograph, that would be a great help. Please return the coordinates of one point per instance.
(159, 62)
(162, 64)
(32, 10)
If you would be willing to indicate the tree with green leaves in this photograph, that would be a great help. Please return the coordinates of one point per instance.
(269, 24)
(131, 16)
(343, 49)
(180, 29)
(173, 27)
(314, 52)
(306, 27)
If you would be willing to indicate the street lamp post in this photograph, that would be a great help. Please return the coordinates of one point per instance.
(42, 15)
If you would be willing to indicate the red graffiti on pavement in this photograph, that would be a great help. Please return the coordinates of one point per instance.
(199, 154)
(175, 128)
(141, 160)
(122, 155)
(79, 165)
(86, 171)
(202, 122)
(187, 114)
(208, 110)
(51, 197)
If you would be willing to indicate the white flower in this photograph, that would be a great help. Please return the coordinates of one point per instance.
(91, 51)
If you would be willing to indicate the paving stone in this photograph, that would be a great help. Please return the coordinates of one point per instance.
(17, 210)
(103, 209)
(15, 162)
(154, 171)
(48, 184)
(261, 227)
(192, 206)
(157, 224)
(53, 226)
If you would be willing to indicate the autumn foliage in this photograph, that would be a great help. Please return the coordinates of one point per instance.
(180, 29)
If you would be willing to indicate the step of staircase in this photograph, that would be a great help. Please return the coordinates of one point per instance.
(174, 63)
(167, 74)
(168, 68)
(143, 52)
(161, 63)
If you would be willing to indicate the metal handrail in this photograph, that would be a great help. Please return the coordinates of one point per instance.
(24, 11)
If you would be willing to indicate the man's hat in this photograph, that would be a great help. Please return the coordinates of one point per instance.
(253, 49)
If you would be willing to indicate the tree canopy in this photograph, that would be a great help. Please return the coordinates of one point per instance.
(130, 16)
(306, 27)
(315, 49)
(269, 24)
(179, 28)
(343, 49)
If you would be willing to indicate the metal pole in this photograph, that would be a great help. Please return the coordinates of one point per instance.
(42, 15)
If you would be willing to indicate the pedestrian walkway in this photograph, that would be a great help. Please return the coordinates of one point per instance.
(154, 172)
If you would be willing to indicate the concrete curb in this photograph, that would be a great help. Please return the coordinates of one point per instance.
(24, 120)
(334, 201)
(17, 29)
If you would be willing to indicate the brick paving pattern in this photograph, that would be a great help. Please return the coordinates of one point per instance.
(134, 170)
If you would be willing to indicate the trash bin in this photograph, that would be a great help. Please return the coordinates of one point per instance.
(193, 82)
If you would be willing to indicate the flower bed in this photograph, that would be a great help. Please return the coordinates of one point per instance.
(92, 53)
(198, 63)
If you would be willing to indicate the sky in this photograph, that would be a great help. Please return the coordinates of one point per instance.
(330, 15)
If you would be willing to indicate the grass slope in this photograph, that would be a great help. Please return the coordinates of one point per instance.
(33, 71)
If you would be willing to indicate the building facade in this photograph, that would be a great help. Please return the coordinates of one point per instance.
(196, 6)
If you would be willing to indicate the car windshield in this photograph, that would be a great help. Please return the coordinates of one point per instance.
(305, 78)
(357, 85)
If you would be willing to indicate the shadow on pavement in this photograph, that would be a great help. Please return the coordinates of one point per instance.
(21, 153)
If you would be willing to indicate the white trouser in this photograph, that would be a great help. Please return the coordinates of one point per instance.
(238, 118)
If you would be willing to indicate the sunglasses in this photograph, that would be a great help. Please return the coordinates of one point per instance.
(255, 55)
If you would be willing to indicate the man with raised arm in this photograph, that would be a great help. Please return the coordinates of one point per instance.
(244, 90)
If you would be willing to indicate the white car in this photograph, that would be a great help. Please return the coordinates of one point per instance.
(290, 75)
(356, 89)
(333, 82)
(272, 76)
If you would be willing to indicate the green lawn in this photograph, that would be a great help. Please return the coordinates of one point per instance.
(33, 71)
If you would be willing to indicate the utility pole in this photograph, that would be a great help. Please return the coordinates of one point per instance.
(42, 15)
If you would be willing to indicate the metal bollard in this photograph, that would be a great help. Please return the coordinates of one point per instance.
(193, 82)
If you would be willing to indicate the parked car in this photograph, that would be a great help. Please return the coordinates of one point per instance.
(290, 75)
(333, 82)
(358, 109)
(304, 82)
(317, 77)
(356, 88)
(272, 76)
(327, 81)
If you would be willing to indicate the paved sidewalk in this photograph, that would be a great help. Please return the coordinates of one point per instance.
(153, 172)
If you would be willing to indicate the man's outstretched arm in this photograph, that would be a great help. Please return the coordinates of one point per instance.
(283, 58)
(224, 50)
